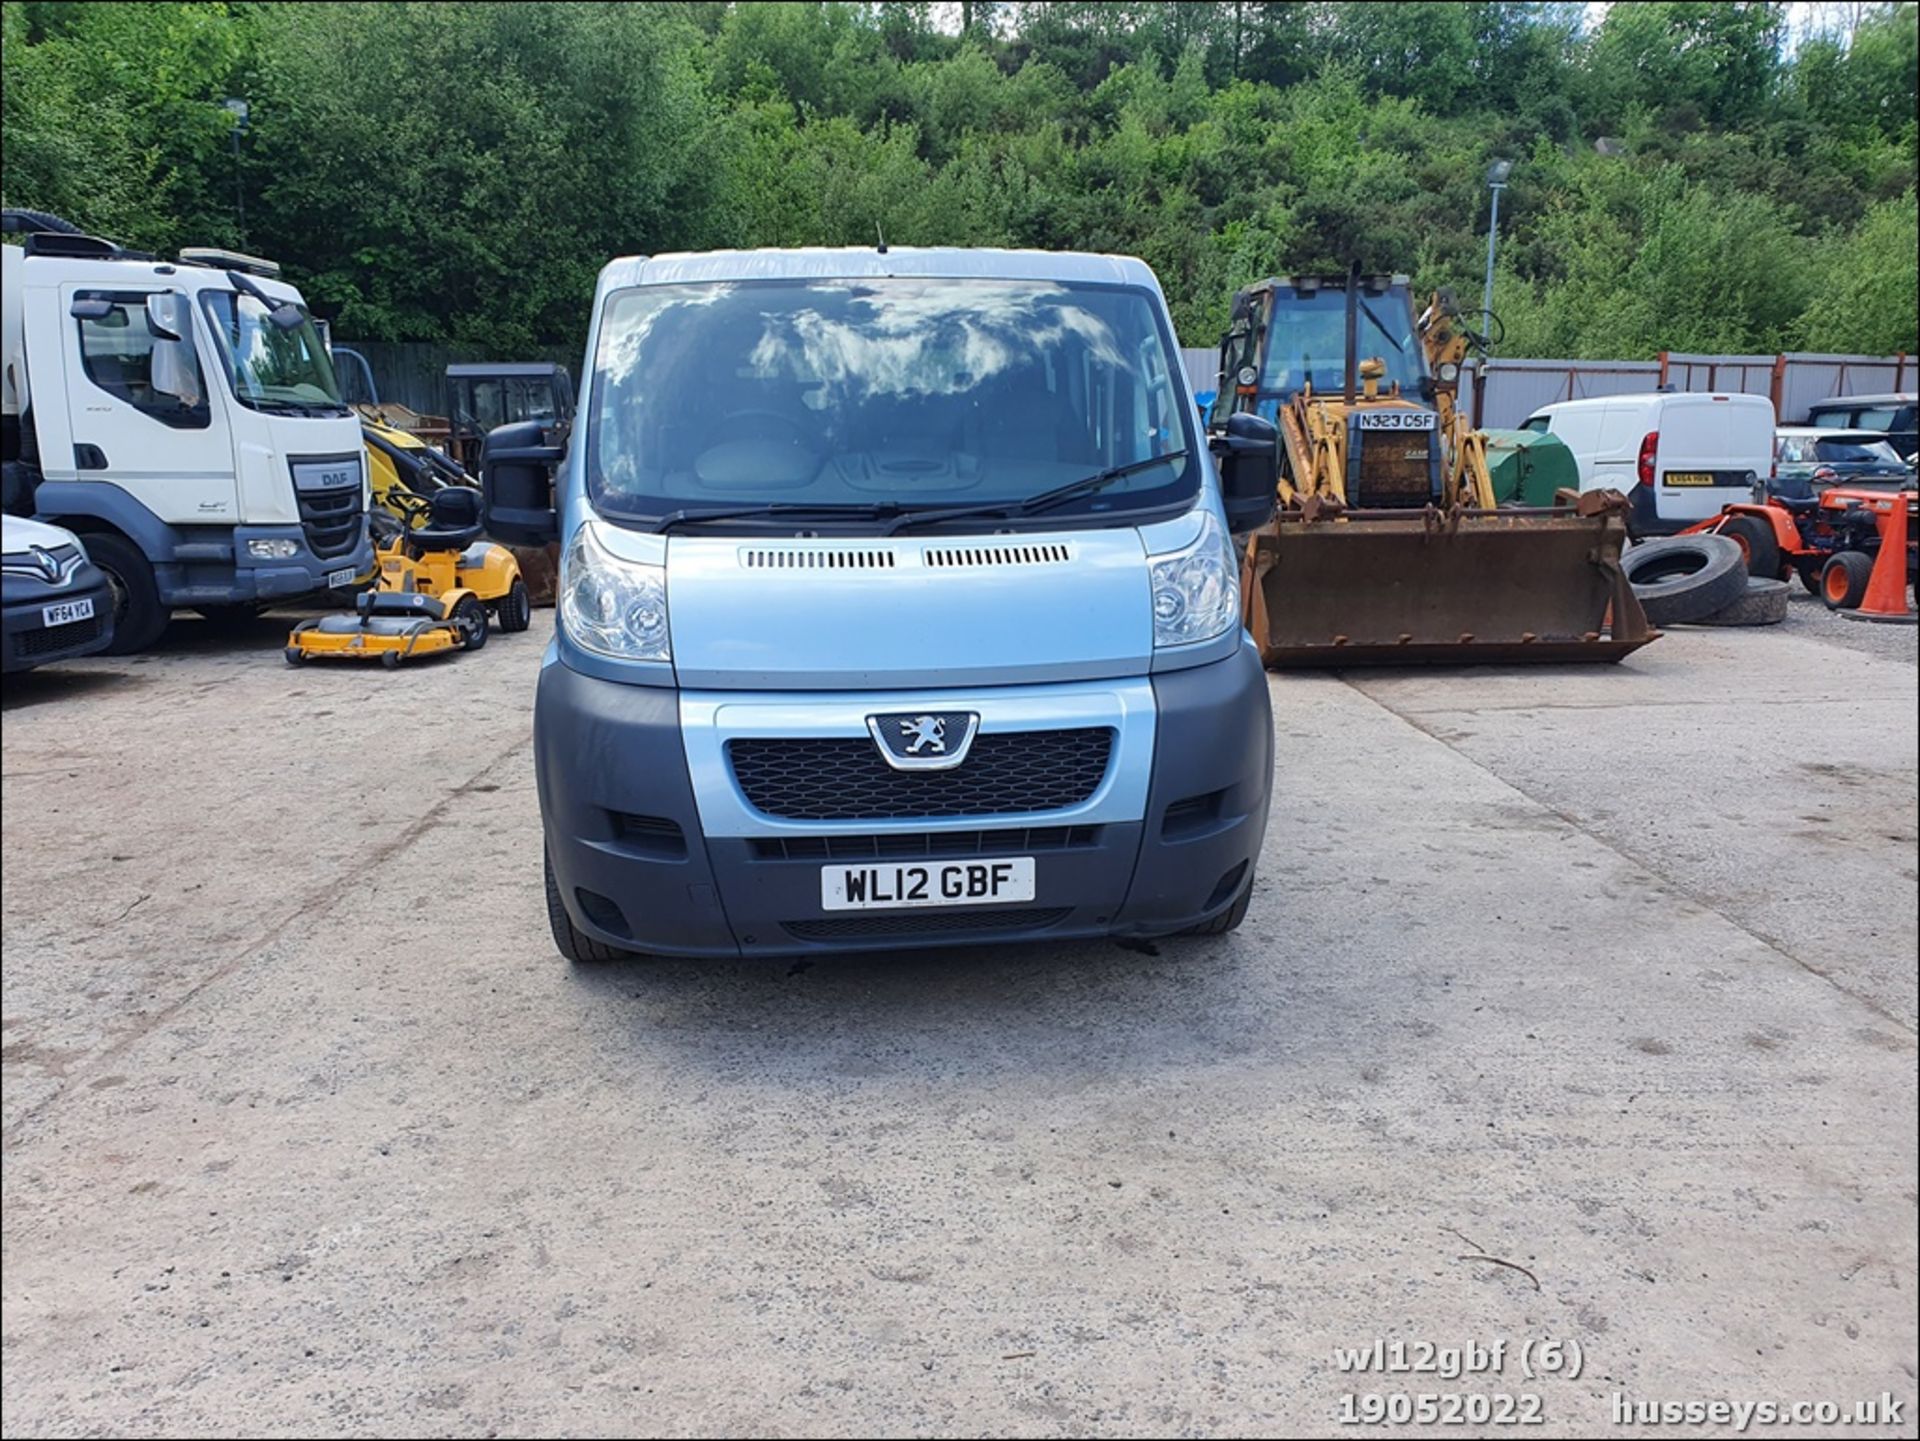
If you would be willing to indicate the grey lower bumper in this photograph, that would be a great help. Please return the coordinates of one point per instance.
(635, 871)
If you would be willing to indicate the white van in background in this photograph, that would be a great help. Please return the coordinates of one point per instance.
(1677, 457)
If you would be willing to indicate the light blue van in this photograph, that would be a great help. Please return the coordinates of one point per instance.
(898, 607)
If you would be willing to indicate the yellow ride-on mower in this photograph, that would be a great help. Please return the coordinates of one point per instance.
(437, 582)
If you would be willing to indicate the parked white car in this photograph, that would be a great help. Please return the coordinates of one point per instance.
(1678, 457)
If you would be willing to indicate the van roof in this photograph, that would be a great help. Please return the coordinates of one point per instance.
(861, 262)
(1594, 402)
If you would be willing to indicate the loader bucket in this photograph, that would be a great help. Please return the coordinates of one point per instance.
(1466, 587)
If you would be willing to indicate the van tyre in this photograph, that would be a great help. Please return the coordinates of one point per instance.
(1765, 603)
(1757, 540)
(516, 608)
(1685, 578)
(138, 616)
(471, 617)
(1843, 582)
(1229, 919)
(578, 948)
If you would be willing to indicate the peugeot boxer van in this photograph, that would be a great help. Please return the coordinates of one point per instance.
(897, 608)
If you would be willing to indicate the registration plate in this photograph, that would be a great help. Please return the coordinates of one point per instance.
(339, 579)
(67, 612)
(889, 886)
(1692, 477)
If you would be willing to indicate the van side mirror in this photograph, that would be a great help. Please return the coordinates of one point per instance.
(1248, 452)
(516, 477)
(167, 316)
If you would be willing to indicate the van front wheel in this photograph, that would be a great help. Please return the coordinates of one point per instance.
(581, 950)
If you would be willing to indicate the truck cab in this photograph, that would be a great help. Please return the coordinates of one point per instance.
(897, 608)
(183, 418)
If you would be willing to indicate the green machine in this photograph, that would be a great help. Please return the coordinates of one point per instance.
(1528, 466)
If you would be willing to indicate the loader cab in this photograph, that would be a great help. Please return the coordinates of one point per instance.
(1288, 335)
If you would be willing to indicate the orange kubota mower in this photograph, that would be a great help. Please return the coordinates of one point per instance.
(1829, 538)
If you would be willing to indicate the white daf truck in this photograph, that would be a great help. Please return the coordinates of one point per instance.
(181, 417)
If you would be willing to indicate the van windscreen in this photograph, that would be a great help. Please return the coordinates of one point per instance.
(909, 392)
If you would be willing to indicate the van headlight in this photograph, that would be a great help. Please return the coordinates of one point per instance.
(610, 606)
(1196, 591)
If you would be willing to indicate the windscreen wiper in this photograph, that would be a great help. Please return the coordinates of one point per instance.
(778, 509)
(1034, 504)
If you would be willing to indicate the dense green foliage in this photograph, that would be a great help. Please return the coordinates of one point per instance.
(461, 171)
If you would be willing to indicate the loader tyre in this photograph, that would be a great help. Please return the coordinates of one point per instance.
(1843, 581)
(1765, 603)
(1685, 577)
(1757, 541)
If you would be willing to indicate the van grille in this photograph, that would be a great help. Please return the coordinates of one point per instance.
(924, 845)
(29, 644)
(845, 779)
(998, 555)
(821, 559)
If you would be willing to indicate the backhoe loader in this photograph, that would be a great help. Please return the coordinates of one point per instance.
(1388, 546)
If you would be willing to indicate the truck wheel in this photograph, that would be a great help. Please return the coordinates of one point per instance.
(1765, 603)
(1843, 584)
(138, 616)
(471, 616)
(516, 608)
(1229, 919)
(581, 950)
(1685, 577)
(1757, 542)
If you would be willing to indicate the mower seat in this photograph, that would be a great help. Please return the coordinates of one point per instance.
(453, 521)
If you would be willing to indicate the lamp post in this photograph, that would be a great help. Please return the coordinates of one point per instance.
(1497, 174)
(239, 110)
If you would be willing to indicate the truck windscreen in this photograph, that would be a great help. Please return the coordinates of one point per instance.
(864, 395)
(269, 368)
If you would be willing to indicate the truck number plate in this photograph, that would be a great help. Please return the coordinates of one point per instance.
(982, 882)
(1396, 420)
(67, 612)
(339, 579)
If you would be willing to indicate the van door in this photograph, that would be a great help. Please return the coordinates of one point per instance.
(165, 443)
(1711, 449)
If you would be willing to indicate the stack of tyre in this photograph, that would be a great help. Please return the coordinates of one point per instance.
(1702, 580)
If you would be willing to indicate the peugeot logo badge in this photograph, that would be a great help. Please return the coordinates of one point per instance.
(924, 740)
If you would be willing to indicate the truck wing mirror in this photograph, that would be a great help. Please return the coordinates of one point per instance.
(167, 316)
(286, 316)
(1248, 451)
(90, 307)
(516, 477)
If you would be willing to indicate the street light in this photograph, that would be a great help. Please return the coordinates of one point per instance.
(239, 110)
(1497, 174)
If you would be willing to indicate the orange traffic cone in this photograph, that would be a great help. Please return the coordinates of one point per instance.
(1886, 598)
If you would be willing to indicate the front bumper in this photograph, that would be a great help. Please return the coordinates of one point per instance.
(636, 870)
(30, 641)
(225, 572)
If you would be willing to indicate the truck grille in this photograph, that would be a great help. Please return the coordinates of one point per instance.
(844, 779)
(909, 928)
(332, 520)
(29, 644)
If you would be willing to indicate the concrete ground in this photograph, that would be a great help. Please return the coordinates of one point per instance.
(1572, 1005)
